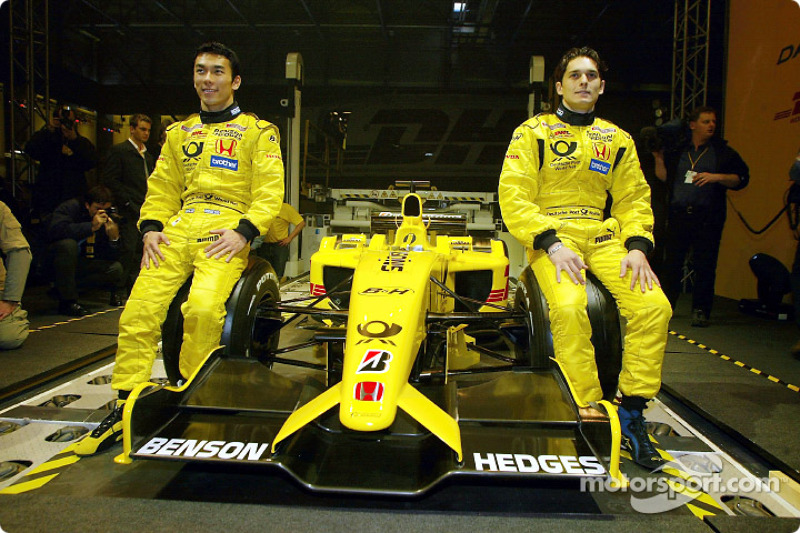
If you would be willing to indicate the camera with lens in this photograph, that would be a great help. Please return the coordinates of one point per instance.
(65, 117)
(113, 214)
(668, 136)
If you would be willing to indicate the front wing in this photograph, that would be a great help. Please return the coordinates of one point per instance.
(512, 424)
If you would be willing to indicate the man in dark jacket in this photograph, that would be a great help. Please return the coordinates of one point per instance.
(125, 171)
(64, 158)
(85, 244)
(699, 173)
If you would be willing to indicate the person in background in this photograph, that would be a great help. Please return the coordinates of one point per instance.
(64, 158)
(125, 171)
(13, 274)
(85, 247)
(558, 172)
(274, 246)
(699, 173)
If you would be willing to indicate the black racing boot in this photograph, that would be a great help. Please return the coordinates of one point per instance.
(105, 435)
(636, 440)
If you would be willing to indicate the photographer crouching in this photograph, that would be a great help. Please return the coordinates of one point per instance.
(85, 248)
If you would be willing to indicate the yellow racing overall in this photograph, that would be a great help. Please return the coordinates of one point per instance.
(557, 174)
(226, 173)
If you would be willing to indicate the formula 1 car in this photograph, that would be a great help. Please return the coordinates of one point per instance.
(419, 371)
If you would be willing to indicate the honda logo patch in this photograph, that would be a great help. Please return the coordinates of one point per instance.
(225, 146)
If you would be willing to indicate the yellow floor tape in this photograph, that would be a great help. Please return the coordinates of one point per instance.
(33, 479)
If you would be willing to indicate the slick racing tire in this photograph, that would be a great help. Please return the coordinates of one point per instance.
(250, 329)
(603, 317)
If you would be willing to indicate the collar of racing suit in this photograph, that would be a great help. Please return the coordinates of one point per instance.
(574, 119)
(214, 117)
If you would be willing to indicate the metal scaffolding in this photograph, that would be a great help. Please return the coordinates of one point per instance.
(29, 77)
(690, 56)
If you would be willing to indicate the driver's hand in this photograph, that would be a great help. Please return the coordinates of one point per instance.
(568, 261)
(640, 269)
(230, 242)
(151, 250)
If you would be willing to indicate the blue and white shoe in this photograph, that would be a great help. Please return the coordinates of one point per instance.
(636, 440)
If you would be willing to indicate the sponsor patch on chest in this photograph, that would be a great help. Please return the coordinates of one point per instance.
(224, 162)
(599, 166)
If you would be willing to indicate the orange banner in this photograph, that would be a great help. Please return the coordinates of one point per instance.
(762, 122)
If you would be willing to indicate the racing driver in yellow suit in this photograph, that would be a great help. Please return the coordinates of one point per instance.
(217, 185)
(558, 171)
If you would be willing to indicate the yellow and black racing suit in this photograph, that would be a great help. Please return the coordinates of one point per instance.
(558, 171)
(216, 171)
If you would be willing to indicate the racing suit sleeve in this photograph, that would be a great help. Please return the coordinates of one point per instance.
(164, 188)
(519, 186)
(631, 199)
(266, 186)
